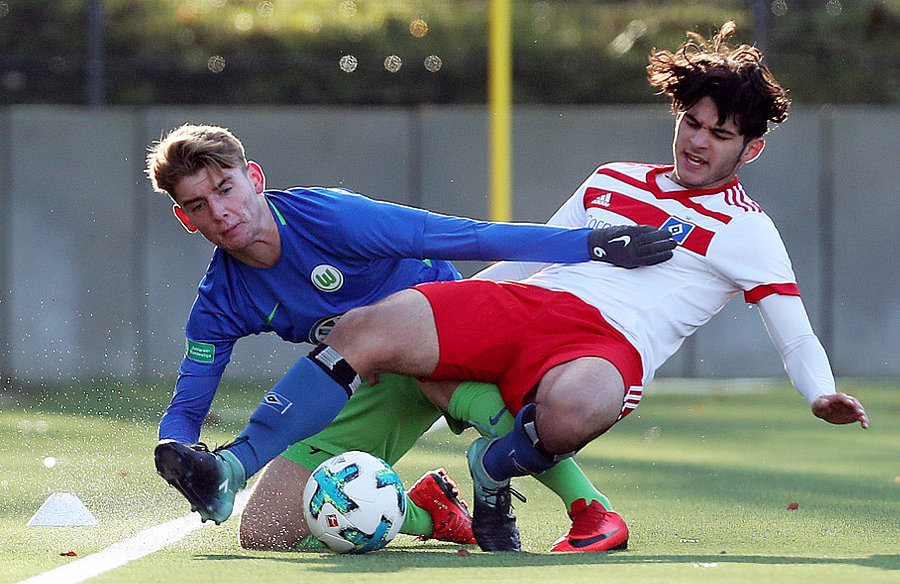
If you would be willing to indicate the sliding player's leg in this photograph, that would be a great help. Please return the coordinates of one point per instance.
(576, 401)
(391, 335)
(211, 479)
(273, 518)
(591, 512)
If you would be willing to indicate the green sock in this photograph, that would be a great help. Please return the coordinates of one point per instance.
(480, 404)
(418, 520)
(568, 481)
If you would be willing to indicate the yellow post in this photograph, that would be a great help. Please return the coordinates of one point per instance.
(500, 109)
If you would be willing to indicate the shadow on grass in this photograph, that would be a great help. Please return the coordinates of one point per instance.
(399, 560)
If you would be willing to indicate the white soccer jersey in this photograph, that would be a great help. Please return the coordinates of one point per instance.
(726, 245)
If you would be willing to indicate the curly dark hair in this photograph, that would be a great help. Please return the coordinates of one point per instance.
(734, 78)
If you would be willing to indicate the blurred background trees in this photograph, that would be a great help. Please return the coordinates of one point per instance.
(401, 52)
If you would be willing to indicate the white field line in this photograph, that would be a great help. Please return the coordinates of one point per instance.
(118, 554)
(156, 538)
(141, 544)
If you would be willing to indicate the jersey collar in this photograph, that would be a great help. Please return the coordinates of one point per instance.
(652, 182)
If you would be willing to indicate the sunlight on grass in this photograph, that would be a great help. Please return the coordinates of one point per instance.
(703, 480)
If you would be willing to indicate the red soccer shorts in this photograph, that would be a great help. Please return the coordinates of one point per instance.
(510, 334)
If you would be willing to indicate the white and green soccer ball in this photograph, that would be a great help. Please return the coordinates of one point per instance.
(354, 503)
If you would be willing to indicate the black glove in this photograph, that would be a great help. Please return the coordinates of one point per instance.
(630, 246)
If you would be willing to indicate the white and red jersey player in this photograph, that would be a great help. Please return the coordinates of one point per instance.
(726, 245)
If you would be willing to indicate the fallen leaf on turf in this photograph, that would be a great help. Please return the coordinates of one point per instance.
(793, 506)
(69, 554)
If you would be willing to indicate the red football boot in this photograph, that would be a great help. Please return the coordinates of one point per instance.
(438, 494)
(594, 529)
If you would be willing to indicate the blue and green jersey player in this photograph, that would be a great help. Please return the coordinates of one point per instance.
(291, 262)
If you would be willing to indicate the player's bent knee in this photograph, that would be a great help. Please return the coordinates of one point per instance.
(578, 401)
(566, 435)
(567, 425)
(363, 334)
(349, 329)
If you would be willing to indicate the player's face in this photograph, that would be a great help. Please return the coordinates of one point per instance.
(707, 153)
(225, 205)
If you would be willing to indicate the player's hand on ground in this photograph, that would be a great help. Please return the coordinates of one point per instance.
(631, 246)
(840, 408)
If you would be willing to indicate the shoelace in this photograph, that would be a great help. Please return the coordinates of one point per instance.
(238, 440)
(199, 447)
(501, 496)
(518, 495)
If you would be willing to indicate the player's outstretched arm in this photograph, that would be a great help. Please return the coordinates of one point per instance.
(457, 238)
(631, 246)
(840, 408)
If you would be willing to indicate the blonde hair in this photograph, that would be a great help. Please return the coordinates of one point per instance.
(189, 149)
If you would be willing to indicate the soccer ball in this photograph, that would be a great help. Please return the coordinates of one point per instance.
(354, 503)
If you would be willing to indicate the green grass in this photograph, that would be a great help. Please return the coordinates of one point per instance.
(704, 481)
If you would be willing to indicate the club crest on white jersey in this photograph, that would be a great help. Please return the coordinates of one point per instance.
(679, 229)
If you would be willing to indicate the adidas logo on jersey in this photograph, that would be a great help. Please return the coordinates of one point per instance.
(603, 200)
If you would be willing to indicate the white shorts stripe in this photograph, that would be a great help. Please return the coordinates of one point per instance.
(631, 401)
